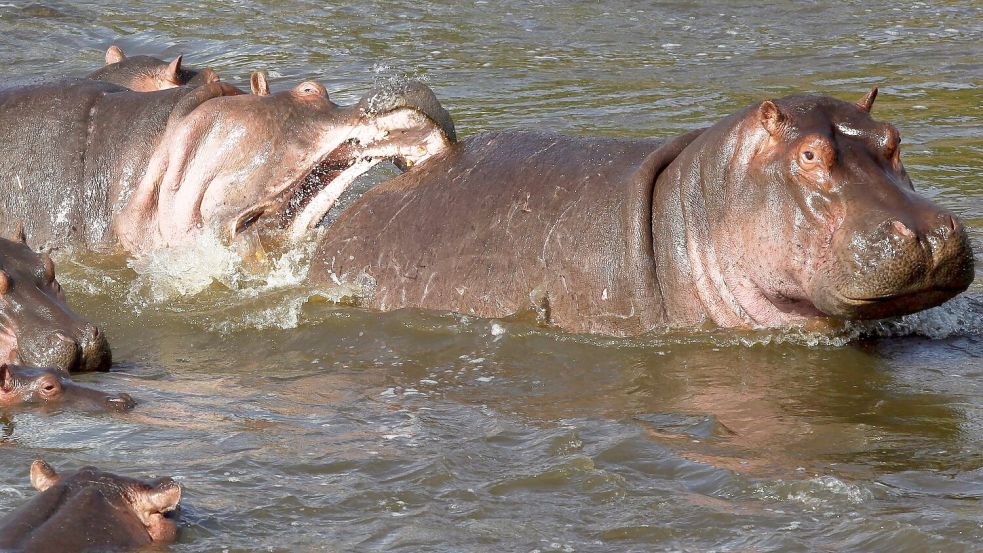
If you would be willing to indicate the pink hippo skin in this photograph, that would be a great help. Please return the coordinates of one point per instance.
(105, 167)
(36, 325)
(91, 510)
(791, 211)
(147, 74)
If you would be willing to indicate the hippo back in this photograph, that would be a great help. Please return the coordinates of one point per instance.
(68, 149)
(505, 222)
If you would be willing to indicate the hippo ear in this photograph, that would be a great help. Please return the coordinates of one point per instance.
(49, 267)
(162, 498)
(867, 101)
(4, 282)
(772, 118)
(258, 83)
(6, 379)
(114, 55)
(174, 68)
(310, 88)
(43, 476)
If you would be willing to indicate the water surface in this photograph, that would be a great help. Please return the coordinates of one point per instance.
(299, 425)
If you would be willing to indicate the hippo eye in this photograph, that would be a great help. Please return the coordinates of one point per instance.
(50, 388)
(808, 155)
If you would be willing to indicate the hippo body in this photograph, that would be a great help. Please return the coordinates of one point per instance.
(89, 511)
(37, 326)
(724, 226)
(93, 164)
(89, 146)
(506, 222)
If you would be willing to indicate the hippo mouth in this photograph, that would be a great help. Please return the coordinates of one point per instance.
(889, 305)
(406, 128)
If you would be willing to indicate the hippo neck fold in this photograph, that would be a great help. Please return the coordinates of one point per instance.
(702, 275)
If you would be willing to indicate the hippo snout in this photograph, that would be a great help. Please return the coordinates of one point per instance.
(900, 266)
(96, 355)
(83, 350)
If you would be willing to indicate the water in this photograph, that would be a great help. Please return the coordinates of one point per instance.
(299, 425)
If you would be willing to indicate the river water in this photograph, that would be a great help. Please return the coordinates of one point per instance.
(305, 425)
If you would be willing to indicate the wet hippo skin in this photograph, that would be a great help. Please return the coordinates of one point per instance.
(792, 210)
(37, 326)
(20, 386)
(87, 163)
(91, 510)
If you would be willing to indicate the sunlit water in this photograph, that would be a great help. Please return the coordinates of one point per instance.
(304, 425)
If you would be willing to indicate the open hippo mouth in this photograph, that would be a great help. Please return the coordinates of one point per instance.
(401, 123)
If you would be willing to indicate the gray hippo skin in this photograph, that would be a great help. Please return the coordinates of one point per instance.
(91, 511)
(20, 386)
(36, 325)
(792, 211)
(147, 73)
(89, 163)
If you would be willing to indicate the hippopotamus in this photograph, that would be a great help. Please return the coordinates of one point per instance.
(792, 211)
(91, 510)
(93, 164)
(147, 73)
(21, 385)
(36, 325)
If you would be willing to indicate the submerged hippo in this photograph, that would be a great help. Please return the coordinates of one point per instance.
(91, 510)
(787, 211)
(91, 163)
(36, 325)
(20, 385)
(147, 74)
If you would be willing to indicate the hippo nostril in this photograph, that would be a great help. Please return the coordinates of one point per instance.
(122, 402)
(903, 229)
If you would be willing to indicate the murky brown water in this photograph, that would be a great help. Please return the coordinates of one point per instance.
(307, 426)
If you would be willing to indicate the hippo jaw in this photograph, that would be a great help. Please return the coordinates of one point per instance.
(404, 136)
(249, 167)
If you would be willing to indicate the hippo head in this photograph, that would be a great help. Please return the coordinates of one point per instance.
(147, 74)
(270, 166)
(20, 385)
(819, 208)
(122, 502)
(36, 325)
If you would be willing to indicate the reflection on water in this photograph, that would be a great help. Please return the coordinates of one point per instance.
(299, 425)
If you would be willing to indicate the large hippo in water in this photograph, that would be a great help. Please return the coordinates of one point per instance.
(20, 385)
(91, 163)
(788, 211)
(36, 325)
(91, 510)
(147, 73)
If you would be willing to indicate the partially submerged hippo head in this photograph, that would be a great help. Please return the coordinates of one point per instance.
(21, 385)
(818, 213)
(147, 74)
(274, 164)
(91, 510)
(36, 325)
